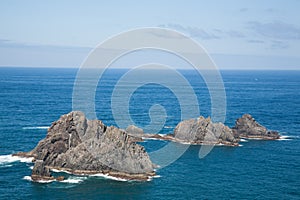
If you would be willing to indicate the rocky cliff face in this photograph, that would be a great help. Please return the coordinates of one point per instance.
(247, 127)
(204, 131)
(83, 146)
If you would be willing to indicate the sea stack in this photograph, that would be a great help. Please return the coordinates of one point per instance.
(204, 131)
(248, 127)
(81, 146)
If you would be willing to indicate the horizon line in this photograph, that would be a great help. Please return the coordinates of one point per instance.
(127, 68)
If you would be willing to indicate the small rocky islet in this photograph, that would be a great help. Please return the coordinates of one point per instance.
(247, 127)
(84, 147)
(204, 131)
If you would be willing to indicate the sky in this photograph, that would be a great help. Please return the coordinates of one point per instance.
(237, 34)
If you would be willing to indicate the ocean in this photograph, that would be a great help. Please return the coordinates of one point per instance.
(32, 98)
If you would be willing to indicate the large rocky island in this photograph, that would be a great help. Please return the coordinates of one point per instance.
(80, 146)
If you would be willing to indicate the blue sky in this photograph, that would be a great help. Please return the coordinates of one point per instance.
(237, 34)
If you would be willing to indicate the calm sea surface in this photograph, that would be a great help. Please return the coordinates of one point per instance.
(31, 99)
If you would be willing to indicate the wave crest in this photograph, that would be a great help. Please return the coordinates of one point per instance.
(35, 127)
(6, 159)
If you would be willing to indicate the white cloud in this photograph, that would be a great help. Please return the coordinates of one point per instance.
(275, 30)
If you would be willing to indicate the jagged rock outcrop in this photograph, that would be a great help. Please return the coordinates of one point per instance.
(83, 146)
(204, 131)
(247, 127)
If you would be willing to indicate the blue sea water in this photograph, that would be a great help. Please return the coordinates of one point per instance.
(31, 98)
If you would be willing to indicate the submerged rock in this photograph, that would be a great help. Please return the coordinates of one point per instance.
(247, 127)
(81, 146)
(204, 131)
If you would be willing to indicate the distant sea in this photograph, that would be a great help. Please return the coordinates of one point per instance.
(32, 98)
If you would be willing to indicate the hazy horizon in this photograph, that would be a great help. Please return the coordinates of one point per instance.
(238, 35)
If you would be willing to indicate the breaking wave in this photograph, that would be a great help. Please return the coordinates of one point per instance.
(106, 176)
(6, 159)
(28, 178)
(286, 137)
(74, 179)
(71, 180)
(35, 127)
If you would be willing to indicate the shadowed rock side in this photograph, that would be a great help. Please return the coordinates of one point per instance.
(247, 127)
(204, 131)
(83, 146)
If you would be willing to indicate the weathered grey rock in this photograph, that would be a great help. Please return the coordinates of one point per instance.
(78, 145)
(40, 172)
(247, 127)
(134, 130)
(204, 131)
